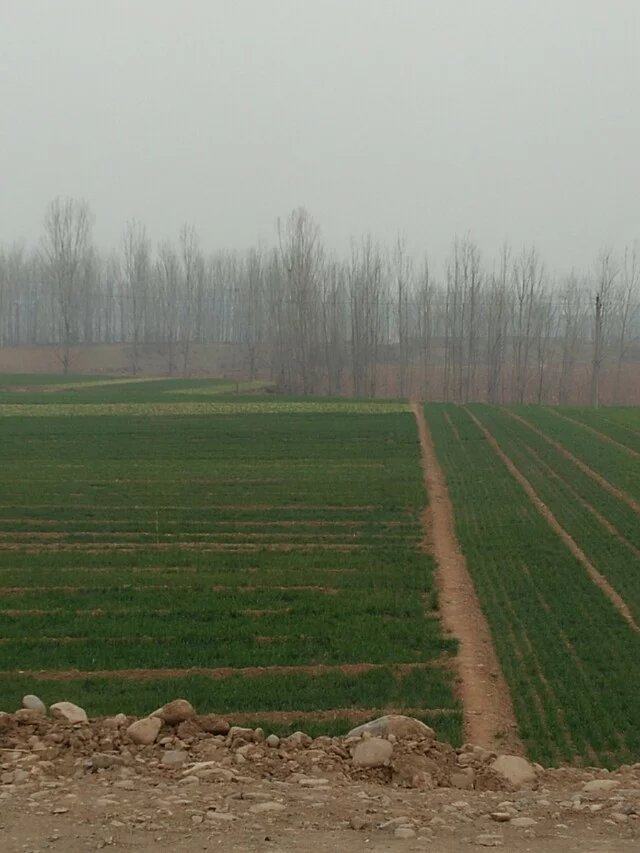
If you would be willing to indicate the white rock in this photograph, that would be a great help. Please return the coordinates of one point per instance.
(145, 731)
(259, 808)
(373, 752)
(523, 822)
(174, 758)
(394, 724)
(273, 741)
(599, 786)
(34, 703)
(68, 711)
(404, 832)
(515, 770)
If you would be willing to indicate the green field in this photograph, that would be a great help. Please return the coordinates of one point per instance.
(571, 660)
(262, 556)
(169, 538)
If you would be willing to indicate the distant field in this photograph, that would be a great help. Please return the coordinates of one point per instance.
(570, 656)
(258, 556)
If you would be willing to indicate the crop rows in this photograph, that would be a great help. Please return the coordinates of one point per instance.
(260, 557)
(571, 661)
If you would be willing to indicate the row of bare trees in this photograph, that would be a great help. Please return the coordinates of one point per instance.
(374, 323)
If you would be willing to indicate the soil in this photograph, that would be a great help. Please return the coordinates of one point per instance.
(489, 719)
(85, 787)
(600, 581)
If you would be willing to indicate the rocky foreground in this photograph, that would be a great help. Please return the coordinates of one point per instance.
(176, 780)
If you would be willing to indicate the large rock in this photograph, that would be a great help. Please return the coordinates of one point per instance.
(213, 724)
(394, 724)
(515, 770)
(69, 712)
(34, 703)
(143, 732)
(175, 712)
(373, 752)
(599, 786)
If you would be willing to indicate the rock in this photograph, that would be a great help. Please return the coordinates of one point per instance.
(273, 741)
(115, 722)
(174, 758)
(599, 786)
(373, 752)
(259, 808)
(487, 840)
(175, 712)
(26, 717)
(523, 822)
(394, 724)
(463, 779)
(515, 770)
(188, 729)
(212, 724)
(240, 732)
(105, 760)
(297, 739)
(69, 712)
(34, 703)
(500, 817)
(404, 832)
(145, 731)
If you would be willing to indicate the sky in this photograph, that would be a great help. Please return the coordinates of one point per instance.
(504, 119)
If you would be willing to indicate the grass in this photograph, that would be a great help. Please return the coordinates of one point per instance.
(571, 661)
(145, 526)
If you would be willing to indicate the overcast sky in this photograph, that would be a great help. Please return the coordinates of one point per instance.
(513, 119)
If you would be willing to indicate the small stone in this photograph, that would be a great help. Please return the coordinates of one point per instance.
(515, 770)
(34, 703)
(599, 786)
(220, 816)
(115, 722)
(240, 732)
(487, 840)
(404, 832)
(174, 758)
(298, 739)
(523, 822)
(145, 731)
(175, 712)
(69, 712)
(105, 760)
(373, 752)
(500, 817)
(273, 741)
(212, 724)
(259, 808)
(394, 724)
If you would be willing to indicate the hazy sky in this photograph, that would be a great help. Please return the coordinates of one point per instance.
(506, 118)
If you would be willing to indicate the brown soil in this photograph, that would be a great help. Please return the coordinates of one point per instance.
(225, 672)
(601, 435)
(602, 481)
(489, 719)
(600, 581)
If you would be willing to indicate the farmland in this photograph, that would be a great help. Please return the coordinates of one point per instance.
(264, 558)
(258, 556)
(546, 516)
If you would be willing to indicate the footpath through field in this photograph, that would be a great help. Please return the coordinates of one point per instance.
(489, 719)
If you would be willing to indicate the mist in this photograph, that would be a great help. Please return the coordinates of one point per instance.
(505, 120)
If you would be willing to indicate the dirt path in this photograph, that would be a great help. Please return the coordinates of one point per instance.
(602, 481)
(489, 719)
(601, 435)
(600, 581)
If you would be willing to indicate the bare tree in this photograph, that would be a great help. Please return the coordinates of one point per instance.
(627, 311)
(136, 268)
(606, 275)
(67, 231)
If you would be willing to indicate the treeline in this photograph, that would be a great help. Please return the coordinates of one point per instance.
(503, 329)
